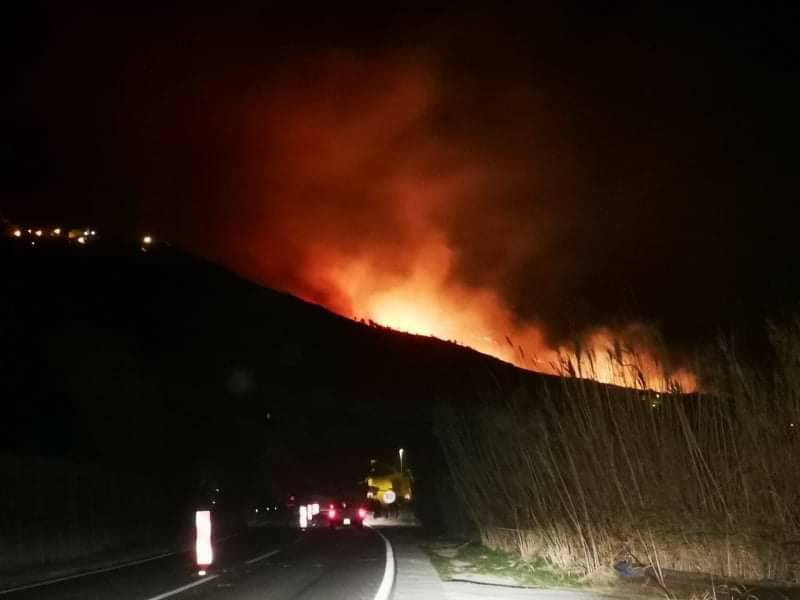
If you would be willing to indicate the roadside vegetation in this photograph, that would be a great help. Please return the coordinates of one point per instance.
(53, 511)
(584, 476)
(470, 561)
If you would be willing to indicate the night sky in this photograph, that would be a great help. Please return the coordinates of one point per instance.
(544, 170)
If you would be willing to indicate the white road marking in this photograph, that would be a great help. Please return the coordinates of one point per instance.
(262, 557)
(86, 573)
(184, 588)
(103, 570)
(385, 589)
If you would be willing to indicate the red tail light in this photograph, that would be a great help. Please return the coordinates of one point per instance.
(362, 513)
(331, 514)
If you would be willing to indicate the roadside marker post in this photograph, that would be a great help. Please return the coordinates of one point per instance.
(204, 552)
(303, 517)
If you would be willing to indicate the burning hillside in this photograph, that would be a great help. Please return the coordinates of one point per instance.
(372, 186)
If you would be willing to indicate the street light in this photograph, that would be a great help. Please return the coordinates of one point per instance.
(401, 460)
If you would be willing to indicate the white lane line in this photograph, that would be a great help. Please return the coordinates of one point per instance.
(184, 588)
(262, 557)
(385, 589)
(86, 573)
(103, 570)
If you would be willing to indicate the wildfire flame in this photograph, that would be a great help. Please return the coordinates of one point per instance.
(374, 187)
(427, 302)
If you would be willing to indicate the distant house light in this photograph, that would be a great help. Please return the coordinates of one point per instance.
(38, 233)
(81, 240)
(92, 232)
(147, 239)
(57, 231)
(17, 233)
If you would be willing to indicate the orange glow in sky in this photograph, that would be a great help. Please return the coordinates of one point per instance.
(352, 188)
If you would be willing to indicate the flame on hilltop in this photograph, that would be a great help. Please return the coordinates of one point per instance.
(381, 189)
(428, 302)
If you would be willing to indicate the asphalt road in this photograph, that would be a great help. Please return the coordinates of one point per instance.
(280, 564)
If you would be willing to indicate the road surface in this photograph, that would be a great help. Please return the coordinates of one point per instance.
(263, 563)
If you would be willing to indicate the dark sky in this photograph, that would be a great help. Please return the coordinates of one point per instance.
(587, 165)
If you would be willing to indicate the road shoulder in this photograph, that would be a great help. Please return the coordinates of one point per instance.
(47, 574)
(415, 576)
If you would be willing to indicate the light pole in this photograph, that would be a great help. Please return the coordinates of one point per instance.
(401, 460)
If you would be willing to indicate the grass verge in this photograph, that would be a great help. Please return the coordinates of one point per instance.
(476, 562)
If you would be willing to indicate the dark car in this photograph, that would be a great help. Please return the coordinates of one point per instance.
(346, 514)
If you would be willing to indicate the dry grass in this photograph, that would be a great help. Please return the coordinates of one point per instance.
(584, 475)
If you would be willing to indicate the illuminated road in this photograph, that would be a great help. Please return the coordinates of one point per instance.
(266, 563)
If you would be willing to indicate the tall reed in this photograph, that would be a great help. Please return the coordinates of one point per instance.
(584, 474)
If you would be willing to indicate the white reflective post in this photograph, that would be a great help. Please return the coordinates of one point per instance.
(303, 517)
(203, 551)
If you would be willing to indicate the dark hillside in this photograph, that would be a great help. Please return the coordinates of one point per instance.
(160, 362)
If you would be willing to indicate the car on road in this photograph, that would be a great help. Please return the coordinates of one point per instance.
(346, 513)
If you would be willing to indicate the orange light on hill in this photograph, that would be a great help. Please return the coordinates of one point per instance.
(428, 302)
(381, 214)
(638, 368)
(403, 314)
